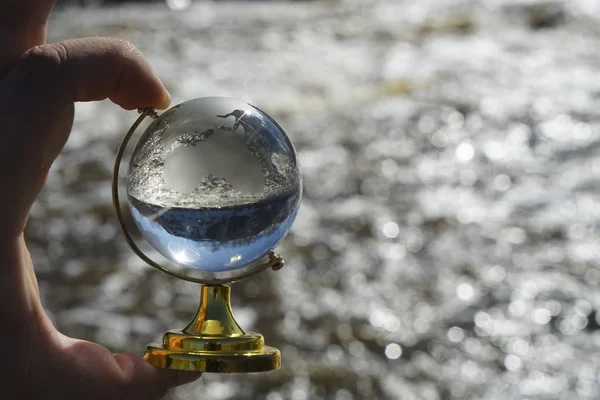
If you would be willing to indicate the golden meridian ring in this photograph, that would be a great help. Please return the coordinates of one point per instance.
(275, 261)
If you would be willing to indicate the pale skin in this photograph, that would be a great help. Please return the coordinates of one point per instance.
(39, 84)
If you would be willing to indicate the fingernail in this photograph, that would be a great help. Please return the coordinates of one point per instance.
(166, 101)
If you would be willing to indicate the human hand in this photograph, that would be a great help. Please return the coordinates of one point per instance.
(39, 84)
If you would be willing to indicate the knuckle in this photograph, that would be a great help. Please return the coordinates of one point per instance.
(50, 55)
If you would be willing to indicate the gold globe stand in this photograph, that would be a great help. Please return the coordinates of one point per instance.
(213, 341)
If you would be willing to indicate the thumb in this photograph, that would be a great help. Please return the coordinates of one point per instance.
(144, 381)
(36, 107)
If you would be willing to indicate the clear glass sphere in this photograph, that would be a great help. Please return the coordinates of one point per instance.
(214, 184)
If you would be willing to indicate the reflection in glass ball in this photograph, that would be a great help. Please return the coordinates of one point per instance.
(213, 184)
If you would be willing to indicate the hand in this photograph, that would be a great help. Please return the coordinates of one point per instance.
(39, 84)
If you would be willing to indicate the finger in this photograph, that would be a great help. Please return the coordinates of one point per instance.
(22, 26)
(144, 381)
(87, 70)
(36, 107)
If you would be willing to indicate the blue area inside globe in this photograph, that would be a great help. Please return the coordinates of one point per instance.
(214, 184)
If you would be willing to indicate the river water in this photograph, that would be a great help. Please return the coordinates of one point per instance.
(446, 247)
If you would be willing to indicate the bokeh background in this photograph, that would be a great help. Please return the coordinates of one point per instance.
(447, 244)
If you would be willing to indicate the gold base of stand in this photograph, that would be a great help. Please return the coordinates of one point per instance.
(213, 341)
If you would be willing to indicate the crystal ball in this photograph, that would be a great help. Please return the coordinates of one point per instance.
(213, 184)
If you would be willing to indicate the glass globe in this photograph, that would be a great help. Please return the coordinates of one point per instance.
(214, 184)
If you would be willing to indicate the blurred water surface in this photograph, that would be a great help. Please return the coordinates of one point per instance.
(446, 247)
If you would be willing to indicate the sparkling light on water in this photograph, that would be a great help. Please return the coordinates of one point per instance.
(393, 351)
(379, 102)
